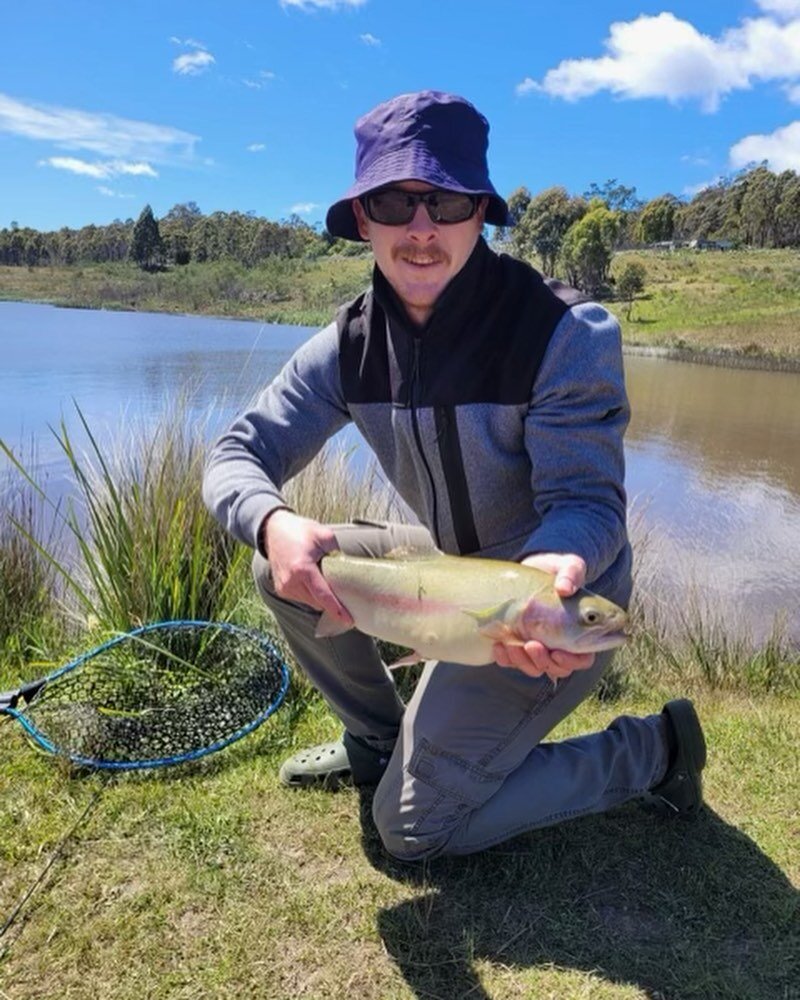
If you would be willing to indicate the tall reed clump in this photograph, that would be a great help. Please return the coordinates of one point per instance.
(339, 484)
(27, 578)
(144, 548)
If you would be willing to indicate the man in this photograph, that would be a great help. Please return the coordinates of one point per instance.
(495, 403)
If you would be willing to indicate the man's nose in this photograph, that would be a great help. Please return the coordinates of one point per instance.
(421, 226)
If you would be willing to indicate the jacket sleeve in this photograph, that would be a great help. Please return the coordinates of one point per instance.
(574, 436)
(278, 436)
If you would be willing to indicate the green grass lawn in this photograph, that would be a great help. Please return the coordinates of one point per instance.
(745, 301)
(212, 880)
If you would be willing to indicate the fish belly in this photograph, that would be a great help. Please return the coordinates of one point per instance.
(442, 634)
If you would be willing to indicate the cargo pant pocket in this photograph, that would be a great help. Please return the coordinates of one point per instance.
(418, 812)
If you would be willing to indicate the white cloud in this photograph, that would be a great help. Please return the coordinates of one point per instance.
(193, 63)
(781, 149)
(104, 134)
(102, 171)
(264, 77)
(692, 189)
(256, 147)
(303, 208)
(666, 57)
(528, 86)
(369, 39)
(786, 8)
(695, 161)
(792, 92)
(321, 4)
(191, 43)
(108, 193)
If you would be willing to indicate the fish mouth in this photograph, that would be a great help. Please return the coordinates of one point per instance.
(598, 641)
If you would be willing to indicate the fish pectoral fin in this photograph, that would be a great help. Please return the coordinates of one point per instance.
(486, 615)
(492, 624)
(500, 632)
(328, 627)
(407, 660)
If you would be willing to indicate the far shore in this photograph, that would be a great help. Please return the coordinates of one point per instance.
(739, 309)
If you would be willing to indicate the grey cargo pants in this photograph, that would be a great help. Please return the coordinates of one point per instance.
(468, 767)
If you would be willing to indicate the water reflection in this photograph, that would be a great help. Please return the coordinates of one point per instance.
(713, 459)
(726, 422)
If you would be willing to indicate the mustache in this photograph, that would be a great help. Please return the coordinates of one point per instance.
(416, 254)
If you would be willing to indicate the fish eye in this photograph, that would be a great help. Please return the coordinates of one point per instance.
(591, 616)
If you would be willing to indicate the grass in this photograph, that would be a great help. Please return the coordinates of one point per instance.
(743, 302)
(305, 292)
(213, 881)
(210, 880)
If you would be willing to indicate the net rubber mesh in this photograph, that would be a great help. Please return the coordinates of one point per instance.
(169, 692)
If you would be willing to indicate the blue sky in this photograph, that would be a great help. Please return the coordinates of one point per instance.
(249, 105)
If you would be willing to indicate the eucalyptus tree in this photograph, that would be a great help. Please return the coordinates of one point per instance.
(146, 247)
(656, 221)
(542, 225)
(588, 247)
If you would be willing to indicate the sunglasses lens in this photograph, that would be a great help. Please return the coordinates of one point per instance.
(390, 207)
(393, 207)
(449, 206)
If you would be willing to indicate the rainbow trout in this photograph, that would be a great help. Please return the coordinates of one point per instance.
(455, 607)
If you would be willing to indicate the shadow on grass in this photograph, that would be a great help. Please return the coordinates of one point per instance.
(682, 910)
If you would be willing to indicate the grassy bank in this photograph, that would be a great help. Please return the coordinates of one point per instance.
(212, 881)
(743, 302)
(304, 292)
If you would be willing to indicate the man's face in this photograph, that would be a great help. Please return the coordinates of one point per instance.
(420, 258)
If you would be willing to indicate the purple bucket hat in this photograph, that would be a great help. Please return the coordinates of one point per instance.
(427, 136)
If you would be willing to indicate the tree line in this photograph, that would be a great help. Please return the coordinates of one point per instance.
(576, 236)
(573, 236)
(184, 234)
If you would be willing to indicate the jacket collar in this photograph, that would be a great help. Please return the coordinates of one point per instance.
(453, 307)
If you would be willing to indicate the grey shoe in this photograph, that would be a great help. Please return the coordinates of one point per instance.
(330, 765)
(680, 791)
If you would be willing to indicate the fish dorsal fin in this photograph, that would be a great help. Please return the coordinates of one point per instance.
(407, 553)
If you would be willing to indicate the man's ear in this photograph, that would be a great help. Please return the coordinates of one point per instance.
(361, 218)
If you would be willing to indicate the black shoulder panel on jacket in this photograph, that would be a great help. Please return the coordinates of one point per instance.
(363, 351)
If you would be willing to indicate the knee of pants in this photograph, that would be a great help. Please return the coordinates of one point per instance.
(409, 832)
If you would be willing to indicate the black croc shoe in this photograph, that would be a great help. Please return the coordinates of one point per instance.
(347, 761)
(680, 792)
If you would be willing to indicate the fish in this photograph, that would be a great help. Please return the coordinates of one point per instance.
(454, 608)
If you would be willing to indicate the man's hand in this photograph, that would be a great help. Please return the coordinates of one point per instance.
(294, 547)
(534, 658)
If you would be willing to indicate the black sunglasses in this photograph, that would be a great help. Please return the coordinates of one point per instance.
(396, 207)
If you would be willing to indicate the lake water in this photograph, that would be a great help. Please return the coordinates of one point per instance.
(713, 453)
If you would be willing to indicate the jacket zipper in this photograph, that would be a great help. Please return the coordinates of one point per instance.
(414, 384)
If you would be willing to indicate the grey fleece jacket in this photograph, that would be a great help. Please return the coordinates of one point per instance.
(500, 422)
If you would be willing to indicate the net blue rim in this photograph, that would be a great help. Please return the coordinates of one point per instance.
(127, 765)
